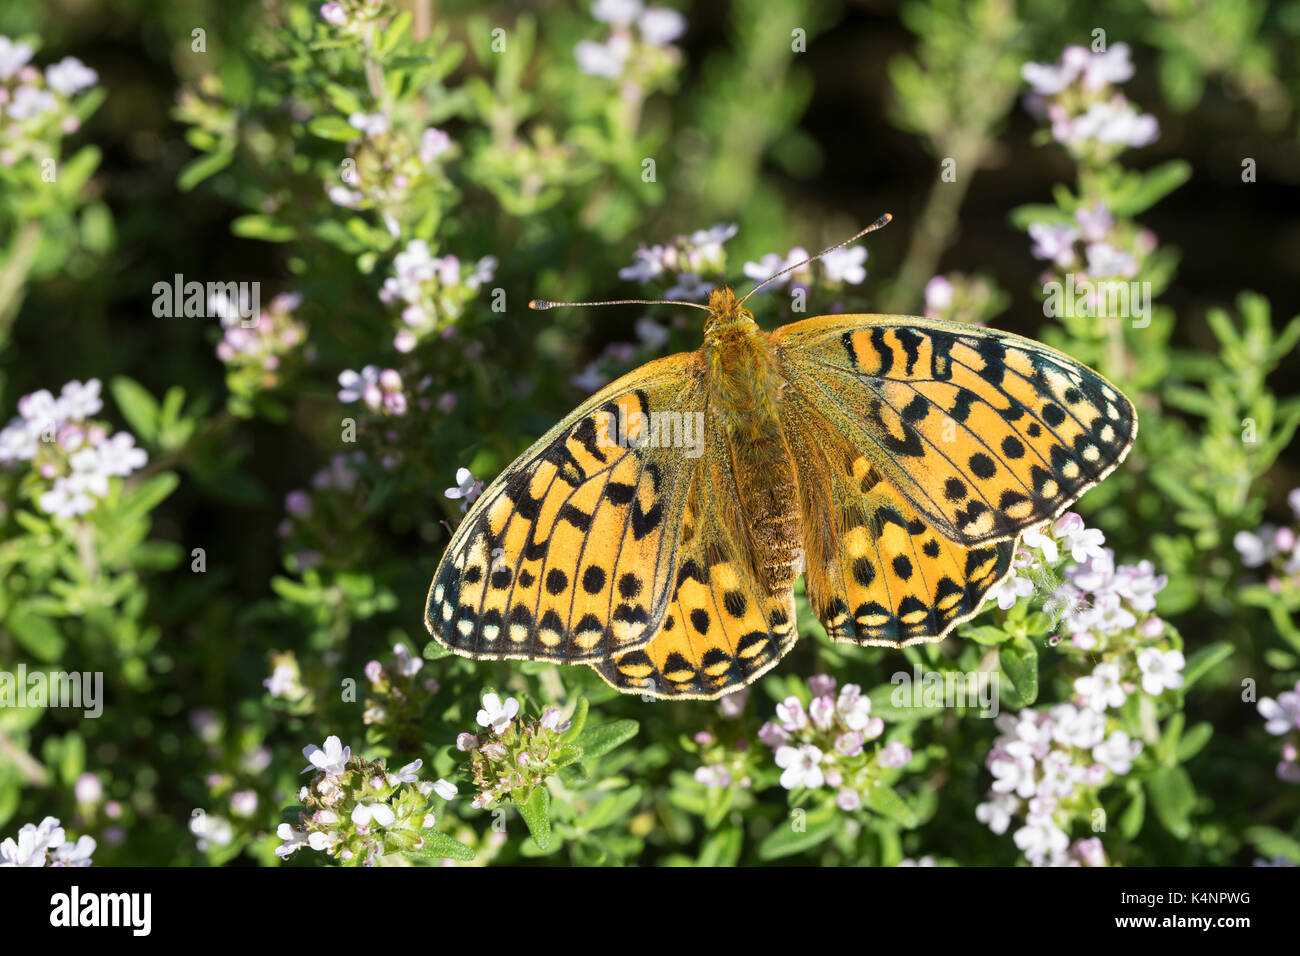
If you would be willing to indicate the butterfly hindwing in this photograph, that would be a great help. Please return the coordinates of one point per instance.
(985, 433)
(724, 627)
(877, 572)
(571, 553)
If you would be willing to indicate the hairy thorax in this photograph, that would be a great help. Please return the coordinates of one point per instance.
(745, 389)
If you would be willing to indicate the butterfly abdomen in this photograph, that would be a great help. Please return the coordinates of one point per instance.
(745, 389)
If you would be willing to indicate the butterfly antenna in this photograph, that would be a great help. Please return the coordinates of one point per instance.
(880, 223)
(541, 305)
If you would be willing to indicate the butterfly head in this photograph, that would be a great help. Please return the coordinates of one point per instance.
(726, 314)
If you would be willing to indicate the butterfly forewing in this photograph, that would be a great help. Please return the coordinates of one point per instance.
(571, 553)
(985, 433)
(724, 628)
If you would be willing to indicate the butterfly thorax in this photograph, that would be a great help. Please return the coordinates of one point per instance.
(744, 387)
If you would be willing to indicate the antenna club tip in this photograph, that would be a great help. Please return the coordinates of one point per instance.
(538, 305)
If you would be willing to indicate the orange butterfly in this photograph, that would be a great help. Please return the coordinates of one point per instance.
(657, 531)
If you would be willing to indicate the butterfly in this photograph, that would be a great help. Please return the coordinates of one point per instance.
(657, 531)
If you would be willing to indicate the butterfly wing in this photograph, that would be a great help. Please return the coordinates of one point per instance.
(984, 433)
(570, 554)
(877, 572)
(724, 627)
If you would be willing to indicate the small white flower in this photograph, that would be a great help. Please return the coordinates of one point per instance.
(294, 840)
(28, 102)
(433, 143)
(363, 814)
(465, 486)
(75, 854)
(853, 707)
(372, 124)
(354, 385)
(445, 789)
(1040, 839)
(406, 774)
(13, 57)
(331, 760)
(1102, 689)
(996, 812)
(802, 766)
(1282, 715)
(497, 714)
(119, 456)
(1161, 671)
(1037, 539)
(1116, 752)
(1010, 590)
(846, 265)
(661, 26)
(620, 12)
(70, 76)
(602, 59)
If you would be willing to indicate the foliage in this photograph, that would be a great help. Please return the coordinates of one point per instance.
(237, 534)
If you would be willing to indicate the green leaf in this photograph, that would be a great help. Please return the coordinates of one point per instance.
(137, 407)
(1271, 842)
(577, 721)
(987, 634)
(787, 840)
(257, 226)
(1205, 659)
(1172, 798)
(612, 809)
(439, 846)
(1192, 741)
(535, 809)
(600, 740)
(35, 632)
(1130, 821)
(722, 848)
(886, 801)
(333, 127)
(1019, 660)
(433, 651)
(205, 166)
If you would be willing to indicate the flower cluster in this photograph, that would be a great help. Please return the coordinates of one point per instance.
(73, 456)
(46, 843)
(386, 170)
(431, 291)
(1077, 96)
(354, 17)
(396, 692)
(512, 754)
(380, 390)
(844, 266)
(322, 523)
(356, 811)
(826, 744)
(960, 298)
(259, 356)
(1282, 718)
(1275, 549)
(36, 108)
(682, 262)
(1048, 766)
(1095, 243)
(638, 49)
